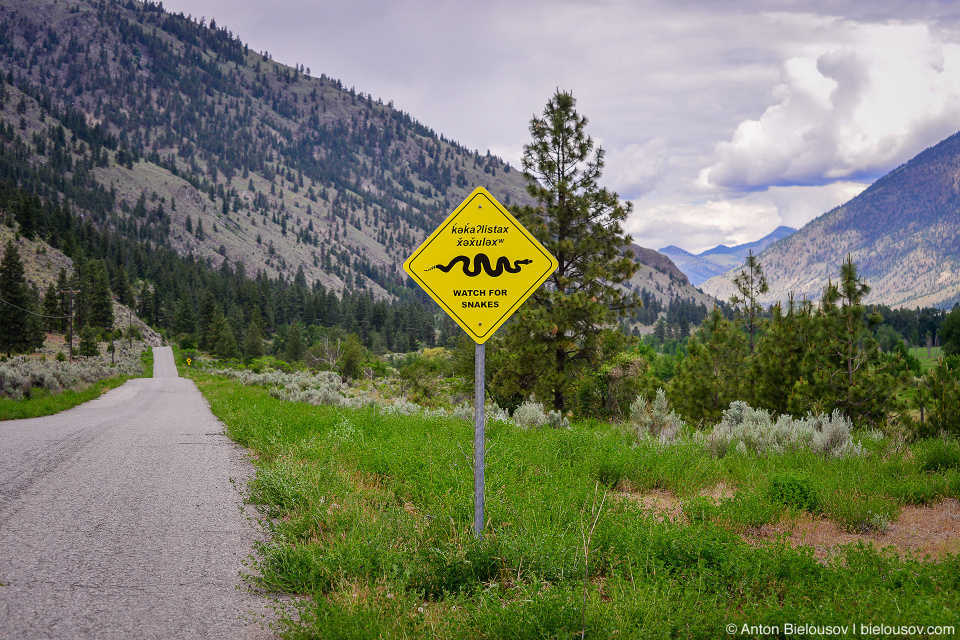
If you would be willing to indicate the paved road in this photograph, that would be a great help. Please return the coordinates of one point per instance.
(118, 519)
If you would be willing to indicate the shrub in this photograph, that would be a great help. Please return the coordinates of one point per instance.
(19, 376)
(746, 429)
(655, 419)
(531, 414)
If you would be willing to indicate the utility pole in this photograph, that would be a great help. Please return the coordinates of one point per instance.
(130, 322)
(71, 292)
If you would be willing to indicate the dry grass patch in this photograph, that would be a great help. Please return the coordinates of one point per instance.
(932, 530)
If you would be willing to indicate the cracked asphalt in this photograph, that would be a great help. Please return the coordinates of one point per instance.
(120, 519)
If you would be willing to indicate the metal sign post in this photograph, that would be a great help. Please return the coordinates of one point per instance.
(479, 375)
(480, 265)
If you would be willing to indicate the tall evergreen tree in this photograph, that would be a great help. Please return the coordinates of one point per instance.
(253, 340)
(579, 222)
(16, 335)
(226, 345)
(949, 333)
(750, 284)
(778, 358)
(843, 367)
(51, 310)
(185, 318)
(293, 345)
(712, 374)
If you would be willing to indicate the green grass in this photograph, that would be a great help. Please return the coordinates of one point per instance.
(43, 403)
(370, 518)
(927, 362)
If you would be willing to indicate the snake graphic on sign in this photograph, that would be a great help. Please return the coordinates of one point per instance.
(481, 260)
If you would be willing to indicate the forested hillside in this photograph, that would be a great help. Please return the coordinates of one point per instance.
(182, 160)
(171, 130)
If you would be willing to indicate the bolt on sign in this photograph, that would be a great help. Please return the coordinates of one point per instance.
(480, 265)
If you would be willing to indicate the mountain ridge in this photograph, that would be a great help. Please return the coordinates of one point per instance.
(712, 262)
(172, 131)
(903, 232)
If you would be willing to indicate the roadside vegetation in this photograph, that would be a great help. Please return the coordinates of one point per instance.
(370, 510)
(31, 387)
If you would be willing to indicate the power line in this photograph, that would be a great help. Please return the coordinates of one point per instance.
(39, 315)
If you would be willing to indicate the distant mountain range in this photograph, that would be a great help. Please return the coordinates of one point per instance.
(903, 233)
(702, 266)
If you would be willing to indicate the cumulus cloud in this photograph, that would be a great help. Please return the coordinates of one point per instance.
(868, 99)
(735, 218)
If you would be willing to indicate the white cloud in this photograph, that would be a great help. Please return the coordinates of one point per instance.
(864, 99)
(701, 225)
(636, 169)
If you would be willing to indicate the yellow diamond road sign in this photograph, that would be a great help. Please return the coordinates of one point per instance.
(480, 265)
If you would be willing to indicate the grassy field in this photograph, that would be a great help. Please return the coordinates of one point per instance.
(927, 362)
(44, 403)
(370, 518)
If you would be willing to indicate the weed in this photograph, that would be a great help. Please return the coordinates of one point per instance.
(857, 513)
(939, 455)
(795, 489)
(700, 509)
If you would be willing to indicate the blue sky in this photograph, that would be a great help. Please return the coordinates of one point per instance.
(720, 120)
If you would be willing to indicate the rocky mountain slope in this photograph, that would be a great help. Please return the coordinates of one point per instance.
(903, 232)
(165, 128)
(174, 132)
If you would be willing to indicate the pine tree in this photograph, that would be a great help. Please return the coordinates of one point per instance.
(938, 398)
(777, 360)
(253, 341)
(15, 331)
(557, 330)
(751, 284)
(226, 345)
(94, 305)
(35, 333)
(293, 345)
(712, 374)
(949, 332)
(51, 310)
(185, 319)
(843, 368)
(208, 310)
(89, 346)
(63, 310)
